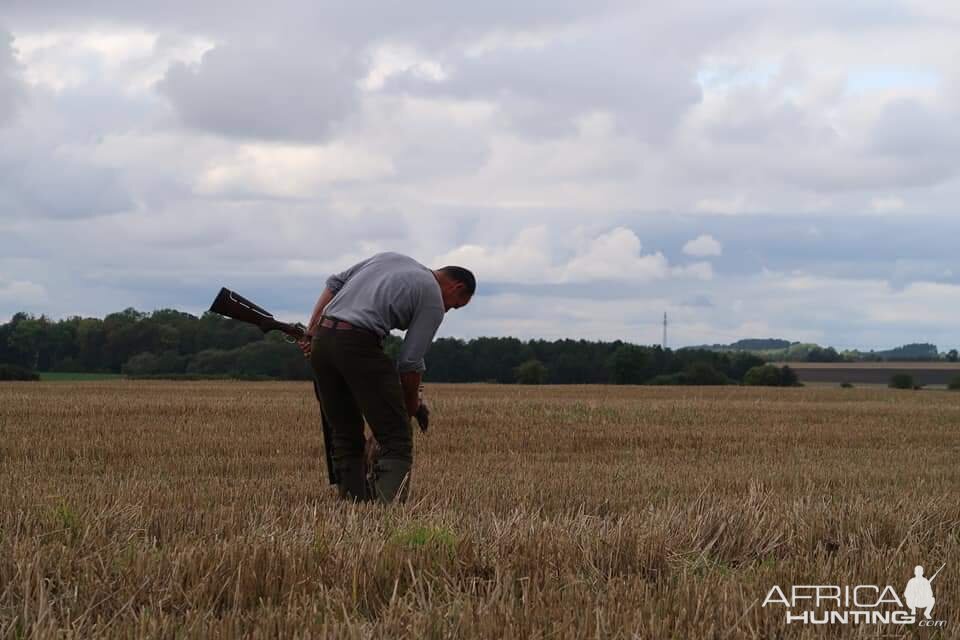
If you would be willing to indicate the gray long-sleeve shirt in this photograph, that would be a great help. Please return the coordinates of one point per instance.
(390, 291)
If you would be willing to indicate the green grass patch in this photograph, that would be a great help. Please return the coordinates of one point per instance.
(419, 536)
(53, 376)
(67, 519)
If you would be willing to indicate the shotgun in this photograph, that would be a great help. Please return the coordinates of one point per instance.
(232, 305)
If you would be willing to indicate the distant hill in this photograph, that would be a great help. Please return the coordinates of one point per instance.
(749, 344)
(778, 349)
(914, 351)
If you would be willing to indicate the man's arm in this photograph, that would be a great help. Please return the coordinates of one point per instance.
(318, 308)
(306, 343)
(334, 283)
(415, 344)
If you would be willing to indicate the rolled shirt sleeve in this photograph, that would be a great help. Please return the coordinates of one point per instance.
(336, 281)
(418, 338)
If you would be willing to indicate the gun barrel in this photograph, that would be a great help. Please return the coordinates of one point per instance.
(295, 331)
(938, 572)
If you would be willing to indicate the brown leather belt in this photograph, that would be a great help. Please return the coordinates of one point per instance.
(333, 323)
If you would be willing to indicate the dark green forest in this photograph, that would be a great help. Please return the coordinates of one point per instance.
(173, 344)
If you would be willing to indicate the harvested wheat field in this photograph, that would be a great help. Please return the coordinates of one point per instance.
(200, 510)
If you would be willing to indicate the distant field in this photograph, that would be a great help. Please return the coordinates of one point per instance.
(56, 377)
(200, 510)
(874, 373)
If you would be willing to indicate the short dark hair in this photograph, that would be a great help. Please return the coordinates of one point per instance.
(459, 274)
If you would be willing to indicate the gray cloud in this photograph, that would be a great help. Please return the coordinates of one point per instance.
(910, 129)
(265, 90)
(46, 172)
(433, 22)
(542, 90)
(11, 85)
(44, 183)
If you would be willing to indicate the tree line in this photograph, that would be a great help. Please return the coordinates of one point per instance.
(172, 344)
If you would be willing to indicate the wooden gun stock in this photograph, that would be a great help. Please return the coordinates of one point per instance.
(232, 305)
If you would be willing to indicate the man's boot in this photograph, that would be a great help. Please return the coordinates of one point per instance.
(391, 480)
(352, 482)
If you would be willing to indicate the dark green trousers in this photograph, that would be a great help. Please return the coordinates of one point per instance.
(358, 380)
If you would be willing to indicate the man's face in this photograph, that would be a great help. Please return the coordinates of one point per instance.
(455, 296)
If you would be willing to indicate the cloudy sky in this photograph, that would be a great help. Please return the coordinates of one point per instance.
(754, 168)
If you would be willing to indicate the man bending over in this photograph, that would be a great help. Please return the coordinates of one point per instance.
(358, 380)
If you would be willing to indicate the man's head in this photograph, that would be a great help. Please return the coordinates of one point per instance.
(457, 286)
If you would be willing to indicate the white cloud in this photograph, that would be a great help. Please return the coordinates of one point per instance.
(134, 58)
(886, 204)
(615, 255)
(532, 257)
(526, 259)
(295, 171)
(703, 245)
(698, 270)
(392, 59)
(736, 203)
(22, 292)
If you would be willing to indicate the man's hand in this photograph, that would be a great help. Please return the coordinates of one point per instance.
(410, 382)
(423, 416)
(371, 451)
(306, 345)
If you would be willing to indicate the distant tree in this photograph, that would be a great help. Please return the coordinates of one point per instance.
(172, 362)
(142, 364)
(820, 354)
(628, 365)
(760, 344)
(266, 359)
(703, 373)
(901, 381)
(568, 368)
(496, 358)
(530, 372)
(667, 379)
(952, 355)
(92, 338)
(15, 372)
(913, 351)
(62, 344)
(742, 362)
(788, 377)
(67, 365)
(766, 376)
(169, 337)
(26, 340)
(214, 361)
(449, 360)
